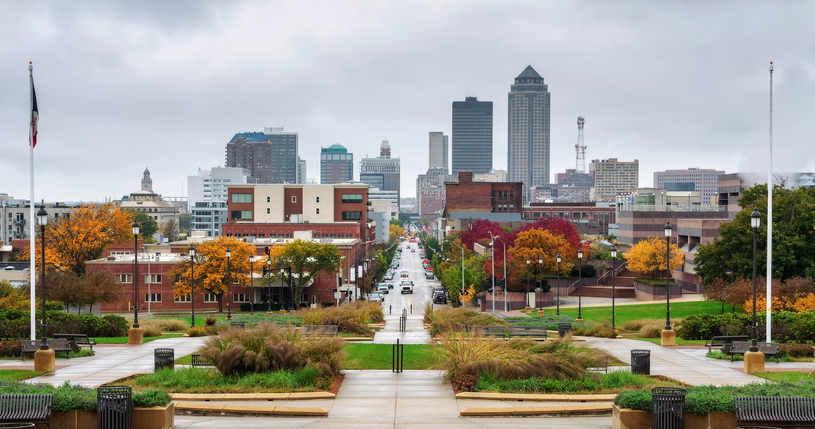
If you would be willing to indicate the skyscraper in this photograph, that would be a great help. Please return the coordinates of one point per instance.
(472, 136)
(271, 156)
(528, 131)
(336, 165)
(439, 150)
(388, 167)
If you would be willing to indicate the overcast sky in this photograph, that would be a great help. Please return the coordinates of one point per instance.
(166, 84)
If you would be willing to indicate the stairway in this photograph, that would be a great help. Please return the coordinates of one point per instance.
(624, 287)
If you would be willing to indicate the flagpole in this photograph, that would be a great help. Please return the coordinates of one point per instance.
(32, 253)
(770, 217)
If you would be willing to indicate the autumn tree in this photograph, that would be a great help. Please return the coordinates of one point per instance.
(307, 260)
(648, 256)
(479, 230)
(396, 231)
(211, 267)
(538, 243)
(99, 287)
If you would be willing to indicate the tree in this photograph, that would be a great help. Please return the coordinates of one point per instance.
(538, 243)
(480, 230)
(307, 260)
(147, 225)
(170, 230)
(648, 256)
(184, 223)
(397, 222)
(211, 267)
(395, 232)
(423, 221)
(83, 235)
(99, 287)
(731, 255)
(452, 280)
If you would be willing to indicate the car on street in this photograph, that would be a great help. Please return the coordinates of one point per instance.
(404, 274)
(407, 287)
(429, 275)
(382, 288)
(439, 297)
(376, 296)
(388, 276)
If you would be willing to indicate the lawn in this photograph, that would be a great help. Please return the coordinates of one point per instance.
(791, 376)
(380, 356)
(123, 340)
(679, 341)
(626, 313)
(18, 374)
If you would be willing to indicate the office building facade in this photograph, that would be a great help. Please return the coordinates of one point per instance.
(612, 176)
(389, 168)
(472, 136)
(270, 156)
(336, 165)
(703, 181)
(528, 139)
(438, 150)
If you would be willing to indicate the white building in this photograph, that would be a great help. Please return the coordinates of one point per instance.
(208, 197)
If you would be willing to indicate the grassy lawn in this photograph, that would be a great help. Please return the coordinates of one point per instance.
(197, 380)
(18, 374)
(123, 340)
(626, 313)
(791, 376)
(379, 356)
(679, 341)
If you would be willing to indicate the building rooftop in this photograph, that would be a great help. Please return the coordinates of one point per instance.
(528, 72)
(250, 137)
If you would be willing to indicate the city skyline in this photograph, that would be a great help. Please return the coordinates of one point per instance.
(165, 85)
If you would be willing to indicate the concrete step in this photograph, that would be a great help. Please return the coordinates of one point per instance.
(604, 291)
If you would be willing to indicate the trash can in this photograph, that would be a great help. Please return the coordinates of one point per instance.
(668, 408)
(114, 407)
(641, 362)
(163, 358)
(563, 329)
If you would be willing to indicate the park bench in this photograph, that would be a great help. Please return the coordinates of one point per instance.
(25, 409)
(742, 347)
(199, 361)
(321, 330)
(237, 324)
(724, 341)
(488, 330)
(527, 331)
(774, 411)
(57, 345)
(78, 339)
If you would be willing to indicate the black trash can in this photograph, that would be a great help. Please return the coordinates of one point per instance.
(114, 407)
(668, 408)
(641, 362)
(563, 329)
(163, 358)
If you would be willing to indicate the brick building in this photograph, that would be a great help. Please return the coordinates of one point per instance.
(593, 218)
(467, 196)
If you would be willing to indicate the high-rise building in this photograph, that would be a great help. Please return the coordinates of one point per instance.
(612, 176)
(390, 168)
(336, 165)
(271, 156)
(208, 197)
(704, 181)
(528, 131)
(472, 136)
(439, 150)
(301, 171)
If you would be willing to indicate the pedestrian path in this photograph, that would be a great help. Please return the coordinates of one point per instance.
(415, 333)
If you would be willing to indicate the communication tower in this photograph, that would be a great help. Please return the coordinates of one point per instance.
(580, 147)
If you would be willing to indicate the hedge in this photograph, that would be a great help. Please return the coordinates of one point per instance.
(17, 324)
(787, 326)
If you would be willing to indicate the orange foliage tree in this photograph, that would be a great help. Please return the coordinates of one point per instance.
(211, 267)
(82, 236)
(648, 256)
(535, 243)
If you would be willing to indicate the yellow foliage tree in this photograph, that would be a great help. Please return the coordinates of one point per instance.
(761, 302)
(396, 231)
(82, 236)
(535, 243)
(468, 296)
(648, 256)
(806, 303)
(211, 267)
(307, 260)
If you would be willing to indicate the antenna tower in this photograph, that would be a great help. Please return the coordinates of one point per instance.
(580, 148)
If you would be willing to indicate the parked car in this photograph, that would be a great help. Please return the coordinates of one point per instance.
(376, 296)
(439, 297)
(388, 276)
(382, 288)
(429, 275)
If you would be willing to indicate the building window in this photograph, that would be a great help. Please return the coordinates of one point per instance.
(241, 198)
(268, 210)
(210, 297)
(241, 215)
(511, 194)
(268, 199)
(316, 199)
(123, 278)
(318, 210)
(240, 297)
(152, 297)
(183, 298)
(116, 252)
(152, 278)
(294, 198)
(351, 215)
(352, 198)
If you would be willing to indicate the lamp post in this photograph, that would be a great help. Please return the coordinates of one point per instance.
(527, 284)
(269, 284)
(228, 285)
(540, 277)
(462, 265)
(492, 249)
(291, 291)
(505, 271)
(42, 220)
(135, 334)
(558, 284)
(668, 335)
(579, 288)
(613, 294)
(754, 359)
(252, 282)
(192, 282)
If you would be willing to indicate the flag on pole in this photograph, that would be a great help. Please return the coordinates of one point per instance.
(34, 117)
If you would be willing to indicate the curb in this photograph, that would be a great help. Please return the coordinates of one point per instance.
(521, 397)
(537, 411)
(251, 396)
(249, 409)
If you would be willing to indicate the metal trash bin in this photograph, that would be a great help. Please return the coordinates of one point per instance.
(641, 362)
(163, 358)
(563, 329)
(114, 407)
(668, 408)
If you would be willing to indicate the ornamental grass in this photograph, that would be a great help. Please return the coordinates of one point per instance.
(351, 318)
(449, 319)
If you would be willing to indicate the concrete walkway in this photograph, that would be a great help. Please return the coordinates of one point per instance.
(415, 333)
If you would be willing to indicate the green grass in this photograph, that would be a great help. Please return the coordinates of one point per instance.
(613, 382)
(644, 311)
(379, 356)
(196, 380)
(791, 376)
(718, 354)
(18, 374)
(123, 340)
(679, 341)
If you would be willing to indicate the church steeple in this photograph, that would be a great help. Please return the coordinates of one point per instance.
(146, 181)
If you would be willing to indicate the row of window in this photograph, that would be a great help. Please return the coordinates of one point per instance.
(208, 297)
(128, 278)
(503, 194)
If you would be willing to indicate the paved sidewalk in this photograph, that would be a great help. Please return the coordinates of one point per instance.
(414, 334)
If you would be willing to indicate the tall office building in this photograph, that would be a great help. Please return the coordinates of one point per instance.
(612, 176)
(472, 136)
(388, 167)
(439, 150)
(271, 156)
(336, 165)
(301, 171)
(704, 181)
(208, 197)
(528, 133)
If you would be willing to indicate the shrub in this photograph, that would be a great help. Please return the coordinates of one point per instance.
(203, 331)
(170, 325)
(151, 398)
(326, 304)
(10, 348)
(449, 319)
(350, 318)
(465, 383)
(796, 350)
(118, 326)
(151, 331)
(211, 321)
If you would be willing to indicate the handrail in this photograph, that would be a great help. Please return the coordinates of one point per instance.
(571, 288)
(617, 270)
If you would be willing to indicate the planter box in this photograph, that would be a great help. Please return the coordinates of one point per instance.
(633, 419)
(143, 418)
(653, 293)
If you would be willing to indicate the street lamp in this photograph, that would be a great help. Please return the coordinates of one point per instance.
(505, 271)
(269, 283)
(228, 285)
(579, 287)
(192, 282)
(558, 284)
(492, 249)
(613, 294)
(42, 220)
(527, 283)
(755, 221)
(540, 275)
(462, 265)
(668, 230)
(252, 282)
(291, 291)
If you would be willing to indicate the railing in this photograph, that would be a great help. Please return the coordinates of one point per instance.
(617, 270)
(572, 287)
(403, 321)
(398, 357)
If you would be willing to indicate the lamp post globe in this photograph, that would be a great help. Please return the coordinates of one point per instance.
(668, 336)
(269, 283)
(755, 222)
(42, 221)
(191, 251)
(134, 334)
(252, 283)
(540, 276)
(228, 253)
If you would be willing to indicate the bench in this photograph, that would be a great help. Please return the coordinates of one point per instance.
(721, 341)
(775, 410)
(489, 330)
(199, 361)
(238, 324)
(25, 409)
(321, 330)
(742, 347)
(57, 345)
(527, 331)
(78, 339)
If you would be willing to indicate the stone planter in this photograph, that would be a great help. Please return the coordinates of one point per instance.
(653, 293)
(633, 419)
(143, 418)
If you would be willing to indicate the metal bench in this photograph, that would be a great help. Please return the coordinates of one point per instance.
(742, 347)
(199, 361)
(238, 324)
(25, 408)
(78, 339)
(724, 341)
(488, 330)
(527, 331)
(57, 345)
(775, 411)
(321, 330)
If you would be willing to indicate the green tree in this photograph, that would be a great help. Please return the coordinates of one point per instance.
(147, 225)
(730, 256)
(397, 222)
(307, 260)
(452, 280)
(184, 223)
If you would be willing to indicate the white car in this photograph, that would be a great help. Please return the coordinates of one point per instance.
(407, 287)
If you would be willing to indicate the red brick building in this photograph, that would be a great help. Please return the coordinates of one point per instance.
(578, 213)
(466, 196)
